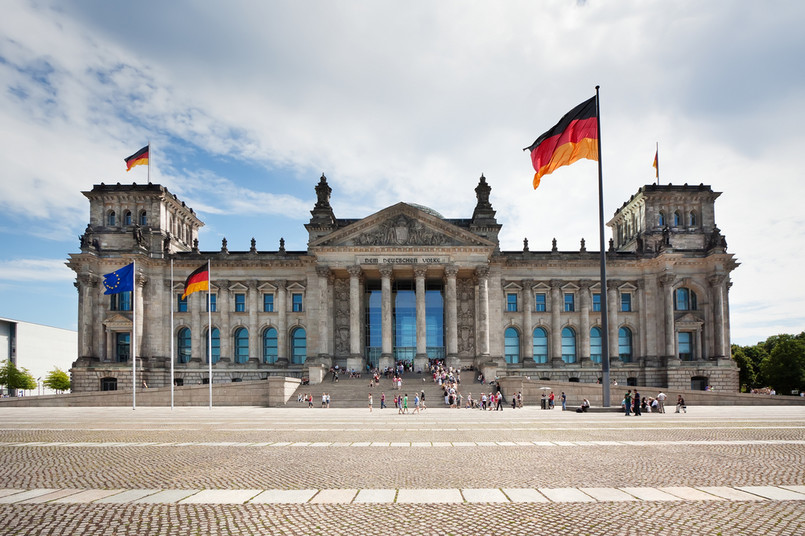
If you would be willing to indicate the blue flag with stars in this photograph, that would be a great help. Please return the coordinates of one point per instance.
(121, 280)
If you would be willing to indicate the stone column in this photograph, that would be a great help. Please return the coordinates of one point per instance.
(642, 312)
(195, 304)
(717, 283)
(451, 300)
(482, 272)
(282, 323)
(584, 321)
(667, 284)
(254, 336)
(386, 347)
(323, 273)
(556, 323)
(421, 357)
(224, 308)
(355, 360)
(526, 337)
(612, 319)
(86, 283)
(137, 301)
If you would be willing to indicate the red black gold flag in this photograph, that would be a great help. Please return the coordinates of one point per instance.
(198, 280)
(574, 137)
(138, 158)
(656, 164)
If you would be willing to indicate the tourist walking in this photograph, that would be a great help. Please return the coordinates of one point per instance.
(382, 400)
(627, 402)
(637, 412)
(680, 404)
(661, 402)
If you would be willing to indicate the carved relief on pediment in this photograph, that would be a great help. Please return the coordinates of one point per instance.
(402, 231)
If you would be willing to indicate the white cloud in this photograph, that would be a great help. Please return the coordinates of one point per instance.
(22, 270)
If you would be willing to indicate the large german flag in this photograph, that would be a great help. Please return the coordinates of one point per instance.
(574, 137)
(198, 280)
(138, 158)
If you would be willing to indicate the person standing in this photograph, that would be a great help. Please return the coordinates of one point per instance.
(405, 403)
(564, 401)
(382, 400)
(661, 402)
(637, 412)
(370, 402)
(680, 404)
(499, 401)
(627, 402)
(551, 400)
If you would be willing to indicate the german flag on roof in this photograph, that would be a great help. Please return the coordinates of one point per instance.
(198, 280)
(137, 159)
(574, 137)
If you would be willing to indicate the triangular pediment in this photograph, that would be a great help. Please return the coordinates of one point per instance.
(402, 225)
(117, 322)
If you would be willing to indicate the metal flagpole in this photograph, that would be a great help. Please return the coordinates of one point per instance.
(604, 305)
(170, 301)
(209, 326)
(149, 165)
(657, 161)
(134, 334)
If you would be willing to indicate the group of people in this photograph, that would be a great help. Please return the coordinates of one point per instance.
(308, 398)
(634, 404)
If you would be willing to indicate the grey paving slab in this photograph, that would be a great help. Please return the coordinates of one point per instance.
(651, 494)
(562, 495)
(420, 496)
(731, 494)
(484, 495)
(525, 495)
(88, 496)
(48, 497)
(221, 496)
(690, 494)
(334, 496)
(25, 495)
(284, 496)
(127, 496)
(167, 496)
(774, 493)
(375, 496)
(608, 494)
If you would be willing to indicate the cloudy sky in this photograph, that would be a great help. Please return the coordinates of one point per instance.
(247, 103)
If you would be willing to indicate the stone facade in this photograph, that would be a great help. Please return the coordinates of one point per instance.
(406, 284)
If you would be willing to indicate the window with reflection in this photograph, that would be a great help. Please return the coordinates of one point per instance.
(215, 342)
(685, 300)
(298, 346)
(270, 348)
(241, 345)
(183, 344)
(596, 345)
(540, 345)
(568, 345)
(684, 341)
(511, 345)
(540, 302)
(625, 344)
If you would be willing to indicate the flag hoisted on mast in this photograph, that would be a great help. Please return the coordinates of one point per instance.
(197, 281)
(117, 282)
(578, 135)
(657, 162)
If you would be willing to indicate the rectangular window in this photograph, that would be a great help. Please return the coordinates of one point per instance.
(570, 302)
(597, 302)
(539, 301)
(626, 302)
(240, 303)
(685, 344)
(268, 303)
(181, 304)
(211, 305)
(511, 303)
(120, 301)
(296, 299)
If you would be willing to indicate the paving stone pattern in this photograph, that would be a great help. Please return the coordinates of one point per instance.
(297, 471)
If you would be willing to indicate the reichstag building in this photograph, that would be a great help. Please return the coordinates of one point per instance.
(406, 284)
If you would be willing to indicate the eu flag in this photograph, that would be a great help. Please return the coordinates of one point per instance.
(120, 280)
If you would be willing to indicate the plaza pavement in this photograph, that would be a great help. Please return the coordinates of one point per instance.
(236, 470)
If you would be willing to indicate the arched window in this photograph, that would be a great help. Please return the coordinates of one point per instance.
(596, 345)
(692, 219)
(540, 345)
(625, 344)
(661, 219)
(110, 219)
(511, 345)
(143, 218)
(183, 345)
(684, 300)
(568, 345)
(127, 218)
(241, 345)
(677, 219)
(216, 346)
(298, 346)
(270, 345)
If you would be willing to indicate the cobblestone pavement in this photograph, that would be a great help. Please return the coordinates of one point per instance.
(714, 470)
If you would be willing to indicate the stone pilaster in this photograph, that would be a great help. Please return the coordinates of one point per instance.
(556, 323)
(667, 284)
(451, 300)
(612, 320)
(254, 336)
(717, 290)
(282, 323)
(355, 360)
(526, 343)
(323, 273)
(584, 322)
(482, 273)
(386, 357)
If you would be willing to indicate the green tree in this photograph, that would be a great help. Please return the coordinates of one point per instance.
(58, 380)
(16, 378)
(747, 373)
(784, 368)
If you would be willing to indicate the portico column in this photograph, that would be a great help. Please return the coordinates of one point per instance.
(421, 327)
(612, 320)
(717, 283)
(526, 338)
(482, 272)
(450, 273)
(386, 359)
(584, 321)
(324, 321)
(556, 325)
(254, 337)
(137, 301)
(282, 323)
(354, 360)
(667, 283)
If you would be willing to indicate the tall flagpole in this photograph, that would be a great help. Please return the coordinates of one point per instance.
(209, 325)
(657, 162)
(170, 301)
(134, 334)
(604, 305)
(149, 167)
